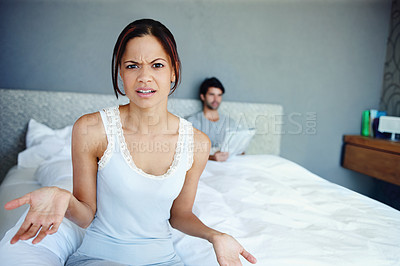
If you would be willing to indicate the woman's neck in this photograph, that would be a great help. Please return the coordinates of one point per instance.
(145, 120)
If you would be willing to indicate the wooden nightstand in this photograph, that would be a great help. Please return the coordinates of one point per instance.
(374, 157)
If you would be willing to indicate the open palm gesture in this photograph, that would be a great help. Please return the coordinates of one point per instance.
(47, 210)
(228, 250)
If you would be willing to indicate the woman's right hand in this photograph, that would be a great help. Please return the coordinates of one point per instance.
(48, 206)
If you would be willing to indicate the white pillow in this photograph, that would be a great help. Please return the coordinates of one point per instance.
(57, 169)
(55, 172)
(42, 143)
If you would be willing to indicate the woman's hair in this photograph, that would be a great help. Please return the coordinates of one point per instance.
(211, 82)
(141, 28)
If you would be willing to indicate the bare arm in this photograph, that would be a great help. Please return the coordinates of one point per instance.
(49, 205)
(88, 144)
(182, 218)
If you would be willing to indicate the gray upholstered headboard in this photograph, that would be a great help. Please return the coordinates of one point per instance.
(59, 109)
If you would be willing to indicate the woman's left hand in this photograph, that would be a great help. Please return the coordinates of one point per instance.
(228, 250)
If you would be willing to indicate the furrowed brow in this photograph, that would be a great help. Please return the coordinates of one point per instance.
(159, 58)
(130, 61)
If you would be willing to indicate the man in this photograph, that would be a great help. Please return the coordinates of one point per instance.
(209, 120)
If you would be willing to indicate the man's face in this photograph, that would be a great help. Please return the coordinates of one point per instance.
(212, 99)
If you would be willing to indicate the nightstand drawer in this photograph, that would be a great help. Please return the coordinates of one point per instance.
(375, 163)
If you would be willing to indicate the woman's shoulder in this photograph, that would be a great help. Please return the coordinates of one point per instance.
(89, 120)
(201, 141)
(89, 126)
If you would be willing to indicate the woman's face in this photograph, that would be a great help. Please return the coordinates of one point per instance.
(146, 71)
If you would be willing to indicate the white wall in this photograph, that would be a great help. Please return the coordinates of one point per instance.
(320, 59)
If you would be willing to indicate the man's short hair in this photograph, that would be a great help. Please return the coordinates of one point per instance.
(211, 82)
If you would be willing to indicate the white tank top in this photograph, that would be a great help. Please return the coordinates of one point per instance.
(133, 207)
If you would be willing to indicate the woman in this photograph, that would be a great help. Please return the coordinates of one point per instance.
(136, 167)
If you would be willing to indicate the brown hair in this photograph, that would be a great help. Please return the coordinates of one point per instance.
(140, 28)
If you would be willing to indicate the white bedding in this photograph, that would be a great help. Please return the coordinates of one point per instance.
(279, 211)
(285, 215)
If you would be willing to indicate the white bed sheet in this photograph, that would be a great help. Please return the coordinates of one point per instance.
(280, 212)
(285, 215)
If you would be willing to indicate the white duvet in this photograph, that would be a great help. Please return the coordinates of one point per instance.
(285, 215)
(279, 211)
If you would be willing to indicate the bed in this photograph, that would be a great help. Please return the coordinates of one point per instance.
(281, 212)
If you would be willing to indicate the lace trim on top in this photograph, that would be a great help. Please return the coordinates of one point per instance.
(128, 157)
(109, 128)
(190, 139)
